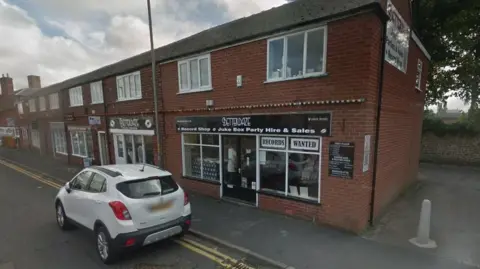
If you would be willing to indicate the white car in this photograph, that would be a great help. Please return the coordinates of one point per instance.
(126, 206)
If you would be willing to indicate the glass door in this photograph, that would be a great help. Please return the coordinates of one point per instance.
(239, 167)
(119, 149)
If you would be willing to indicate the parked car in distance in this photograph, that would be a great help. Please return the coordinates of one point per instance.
(126, 206)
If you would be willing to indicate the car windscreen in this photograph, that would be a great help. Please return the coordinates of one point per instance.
(149, 187)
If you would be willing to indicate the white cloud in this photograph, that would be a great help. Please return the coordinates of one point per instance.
(97, 32)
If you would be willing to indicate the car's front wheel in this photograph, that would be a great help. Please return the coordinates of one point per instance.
(62, 219)
(104, 246)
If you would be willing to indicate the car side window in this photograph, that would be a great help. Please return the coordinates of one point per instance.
(81, 181)
(98, 183)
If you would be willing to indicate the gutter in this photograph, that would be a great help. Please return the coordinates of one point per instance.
(377, 123)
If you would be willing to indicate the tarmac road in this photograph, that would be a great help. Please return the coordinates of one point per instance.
(30, 239)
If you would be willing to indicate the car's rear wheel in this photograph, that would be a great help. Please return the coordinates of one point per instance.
(104, 246)
(62, 219)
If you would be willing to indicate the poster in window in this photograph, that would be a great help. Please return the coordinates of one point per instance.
(397, 39)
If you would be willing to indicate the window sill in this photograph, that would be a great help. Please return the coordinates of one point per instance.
(79, 156)
(293, 198)
(130, 99)
(209, 181)
(296, 78)
(62, 153)
(96, 103)
(195, 91)
(76, 105)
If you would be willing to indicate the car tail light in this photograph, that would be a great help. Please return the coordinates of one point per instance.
(185, 198)
(120, 210)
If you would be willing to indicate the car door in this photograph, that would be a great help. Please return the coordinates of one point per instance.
(96, 201)
(75, 200)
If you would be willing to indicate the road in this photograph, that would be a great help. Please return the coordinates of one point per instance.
(30, 237)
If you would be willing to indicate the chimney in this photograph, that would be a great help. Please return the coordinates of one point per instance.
(34, 82)
(6, 85)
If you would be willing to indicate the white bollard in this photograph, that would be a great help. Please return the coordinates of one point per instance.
(423, 234)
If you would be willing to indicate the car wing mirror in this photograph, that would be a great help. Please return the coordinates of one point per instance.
(68, 188)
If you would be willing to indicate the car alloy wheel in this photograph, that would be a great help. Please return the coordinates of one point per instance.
(102, 245)
(60, 216)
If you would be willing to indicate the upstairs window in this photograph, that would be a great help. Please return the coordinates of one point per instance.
(53, 101)
(129, 87)
(76, 96)
(418, 80)
(31, 105)
(195, 74)
(42, 103)
(96, 92)
(297, 55)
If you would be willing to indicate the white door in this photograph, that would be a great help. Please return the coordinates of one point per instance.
(120, 154)
(75, 201)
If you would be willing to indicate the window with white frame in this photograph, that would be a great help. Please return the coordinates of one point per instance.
(31, 105)
(59, 140)
(297, 55)
(129, 87)
(96, 92)
(78, 139)
(195, 74)
(53, 101)
(418, 80)
(20, 108)
(42, 103)
(76, 96)
(35, 138)
(201, 156)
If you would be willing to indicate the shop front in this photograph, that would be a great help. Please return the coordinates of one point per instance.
(133, 139)
(276, 154)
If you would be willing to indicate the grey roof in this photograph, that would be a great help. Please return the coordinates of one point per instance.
(288, 16)
(26, 91)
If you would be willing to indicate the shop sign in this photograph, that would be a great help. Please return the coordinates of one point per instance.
(341, 159)
(304, 144)
(273, 142)
(132, 123)
(398, 39)
(94, 120)
(69, 117)
(286, 124)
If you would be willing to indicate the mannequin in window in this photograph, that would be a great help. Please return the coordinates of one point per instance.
(140, 154)
(129, 156)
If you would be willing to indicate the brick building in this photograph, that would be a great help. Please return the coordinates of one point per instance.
(292, 110)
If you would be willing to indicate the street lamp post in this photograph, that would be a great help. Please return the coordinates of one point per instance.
(154, 83)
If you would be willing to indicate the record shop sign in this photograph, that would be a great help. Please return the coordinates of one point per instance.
(132, 123)
(295, 124)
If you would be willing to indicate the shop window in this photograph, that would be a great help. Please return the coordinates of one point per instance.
(149, 153)
(297, 55)
(35, 138)
(291, 171)
(79, 143)
(59, 140)
(201, 156)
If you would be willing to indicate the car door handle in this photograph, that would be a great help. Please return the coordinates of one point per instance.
(98, 201)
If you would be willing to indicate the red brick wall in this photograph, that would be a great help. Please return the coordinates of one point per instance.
(400, 124)
(352, 66)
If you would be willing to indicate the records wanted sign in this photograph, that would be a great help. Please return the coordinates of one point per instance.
(289, 124)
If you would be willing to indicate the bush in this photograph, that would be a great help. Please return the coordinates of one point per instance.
(439, 128)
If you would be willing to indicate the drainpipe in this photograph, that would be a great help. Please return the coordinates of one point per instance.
(377, 124)
(107, 134)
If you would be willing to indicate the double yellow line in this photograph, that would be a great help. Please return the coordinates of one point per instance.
(223, 260)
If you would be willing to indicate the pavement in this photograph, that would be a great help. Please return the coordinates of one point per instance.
(285, 240)
(455, 222)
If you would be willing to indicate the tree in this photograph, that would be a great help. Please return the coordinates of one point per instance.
(450, 30)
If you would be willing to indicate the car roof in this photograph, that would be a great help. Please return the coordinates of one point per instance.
(125, 172)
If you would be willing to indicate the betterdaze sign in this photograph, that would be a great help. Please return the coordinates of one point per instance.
(288, 124)
(131, 123)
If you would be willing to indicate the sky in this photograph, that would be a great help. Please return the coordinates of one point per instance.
(60, 39)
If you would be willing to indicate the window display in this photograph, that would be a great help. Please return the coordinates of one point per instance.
(201, 156)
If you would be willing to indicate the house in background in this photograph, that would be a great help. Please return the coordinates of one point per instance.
(449, 116)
